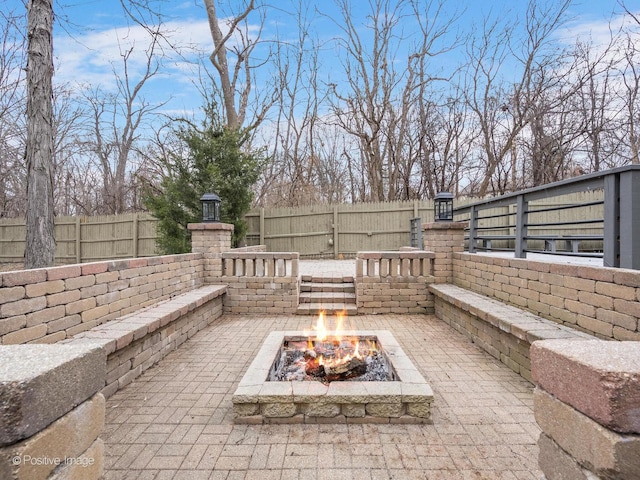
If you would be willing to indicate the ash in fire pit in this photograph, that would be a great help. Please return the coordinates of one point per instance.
(332, 358)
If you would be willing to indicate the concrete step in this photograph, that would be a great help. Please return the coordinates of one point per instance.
(328, 309)
(315, 279)
(331, 295)
(327, 297)
(327, 287)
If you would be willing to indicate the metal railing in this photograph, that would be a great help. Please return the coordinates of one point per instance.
(530, 221)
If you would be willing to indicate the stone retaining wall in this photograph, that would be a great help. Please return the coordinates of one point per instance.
(260, 282)
(137, 341)
(394, 282)
(47, 305)
(52, 413)
(604, 302)
(586, 404)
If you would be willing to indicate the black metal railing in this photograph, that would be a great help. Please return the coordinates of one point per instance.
(605, 223)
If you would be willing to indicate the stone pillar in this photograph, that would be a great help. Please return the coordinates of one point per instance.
(443, 239)
(212, 239)
(52, 412)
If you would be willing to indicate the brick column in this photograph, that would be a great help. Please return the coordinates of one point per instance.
(212, 239)
(443, 239)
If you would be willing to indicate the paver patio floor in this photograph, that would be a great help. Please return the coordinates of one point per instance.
(175, 422)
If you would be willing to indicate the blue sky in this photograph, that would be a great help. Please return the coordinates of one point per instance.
(90, 36)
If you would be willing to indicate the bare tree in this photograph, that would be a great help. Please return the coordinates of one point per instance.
(40, 242)
(503, 111)
(236, 74)
(116, 120)
(629, 71)
(12, 122)
(374, 105)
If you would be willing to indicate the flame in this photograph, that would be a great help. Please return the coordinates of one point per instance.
(321, 330)
(322, 334)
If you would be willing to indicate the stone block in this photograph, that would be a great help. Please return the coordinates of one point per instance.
(395, 409)
(41, 383)
(88, 466)
(327, 410)
(598, 378)
(69, 441)
(556, 464)
(278, 410)
(602, 451)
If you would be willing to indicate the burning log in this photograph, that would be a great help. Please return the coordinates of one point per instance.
(335, 370)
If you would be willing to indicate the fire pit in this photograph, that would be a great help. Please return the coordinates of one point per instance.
(332, 377)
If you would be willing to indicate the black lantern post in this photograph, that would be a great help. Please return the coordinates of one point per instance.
(210, 208)
(443, 207)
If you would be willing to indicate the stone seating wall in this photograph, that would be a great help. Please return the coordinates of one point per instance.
(604, 302)
(48, 305)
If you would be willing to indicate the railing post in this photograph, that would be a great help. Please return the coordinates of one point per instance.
(521, 227)
(630, 219)
(336, 233)
(611, 239)
(473, 229)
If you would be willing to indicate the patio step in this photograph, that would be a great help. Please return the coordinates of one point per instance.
(330, 295)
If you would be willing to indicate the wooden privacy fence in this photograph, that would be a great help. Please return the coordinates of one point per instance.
(317, 231)
(86, 239)
(336, 231)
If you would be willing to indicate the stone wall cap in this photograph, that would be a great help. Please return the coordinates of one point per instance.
(445, 226)
(210, 226)
(599, 378)
(41, 383)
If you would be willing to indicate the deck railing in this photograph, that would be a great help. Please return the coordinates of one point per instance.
(608, 227)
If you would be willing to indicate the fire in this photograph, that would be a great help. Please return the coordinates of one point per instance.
(331, 349)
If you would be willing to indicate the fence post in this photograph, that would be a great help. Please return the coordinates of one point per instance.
(336, 250)
(78, 241)
(262, 226)
(521, 227)
(630, 219)
(135, 235)
(416, 240)
(611, 241)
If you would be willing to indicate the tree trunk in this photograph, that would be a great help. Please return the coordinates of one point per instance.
(40, 243)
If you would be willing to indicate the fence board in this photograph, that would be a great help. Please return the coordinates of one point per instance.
(86, 239)
(330, 231)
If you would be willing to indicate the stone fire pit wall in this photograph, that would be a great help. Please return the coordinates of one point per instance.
(407, 400)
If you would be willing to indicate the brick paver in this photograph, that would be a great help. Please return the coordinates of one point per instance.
(175, 421)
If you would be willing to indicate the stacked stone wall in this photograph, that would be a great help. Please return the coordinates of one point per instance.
(604, 302)
(48, 305)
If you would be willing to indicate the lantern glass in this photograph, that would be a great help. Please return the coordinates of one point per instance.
(443, 207)
(210, 208)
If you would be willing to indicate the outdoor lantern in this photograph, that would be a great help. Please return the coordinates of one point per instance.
(443, 207)
(210, 208)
